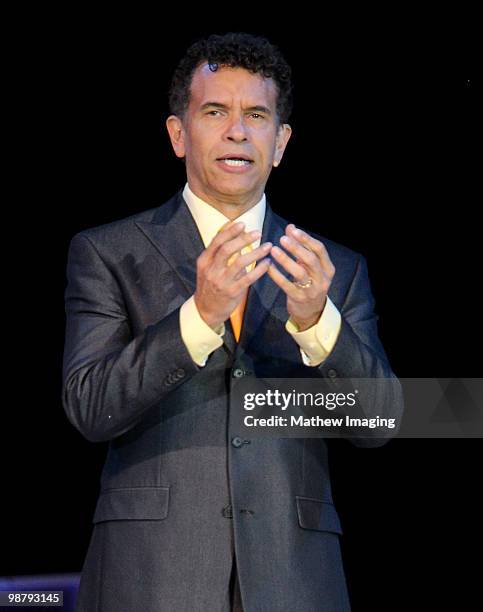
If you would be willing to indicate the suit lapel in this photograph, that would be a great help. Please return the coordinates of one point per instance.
(173, 232)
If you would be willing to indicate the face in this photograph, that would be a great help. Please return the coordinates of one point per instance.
(230, 136)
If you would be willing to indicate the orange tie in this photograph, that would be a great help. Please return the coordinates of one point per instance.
(236, 316)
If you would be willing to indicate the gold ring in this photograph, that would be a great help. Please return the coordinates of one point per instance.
(305, 284)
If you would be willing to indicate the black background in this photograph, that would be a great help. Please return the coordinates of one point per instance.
(383, 159)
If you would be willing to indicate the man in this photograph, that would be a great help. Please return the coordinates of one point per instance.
(165, 310)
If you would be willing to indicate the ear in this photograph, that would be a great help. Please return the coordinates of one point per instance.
(174, 125)
(283, 136)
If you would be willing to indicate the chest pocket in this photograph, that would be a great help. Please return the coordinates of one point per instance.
(317, 515)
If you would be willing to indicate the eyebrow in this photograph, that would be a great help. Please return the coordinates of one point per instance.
(252, 109)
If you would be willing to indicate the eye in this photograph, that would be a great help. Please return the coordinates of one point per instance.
(213, 113)
(256, 116)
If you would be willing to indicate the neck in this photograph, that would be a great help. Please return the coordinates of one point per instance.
(231, 206)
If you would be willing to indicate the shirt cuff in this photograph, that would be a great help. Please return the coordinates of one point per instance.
(317, 342)
(199, 338)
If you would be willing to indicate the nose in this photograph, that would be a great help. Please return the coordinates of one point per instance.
(236, 130)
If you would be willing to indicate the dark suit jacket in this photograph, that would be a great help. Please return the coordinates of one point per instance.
(179, 494)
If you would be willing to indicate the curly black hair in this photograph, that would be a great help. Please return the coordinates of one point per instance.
(236, 50)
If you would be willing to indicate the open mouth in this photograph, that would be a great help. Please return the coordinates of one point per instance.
(235, 161)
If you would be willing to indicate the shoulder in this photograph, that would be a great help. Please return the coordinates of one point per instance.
(123, 231)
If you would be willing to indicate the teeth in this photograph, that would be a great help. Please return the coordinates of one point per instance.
(236, 162)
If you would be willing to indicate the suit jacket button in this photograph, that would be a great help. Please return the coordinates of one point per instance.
(332, 373)
(238, 373)
(237, 442)
(180, 373)
(227, 512)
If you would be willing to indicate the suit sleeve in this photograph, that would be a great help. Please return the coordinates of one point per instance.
(359, 354)
(110, 378)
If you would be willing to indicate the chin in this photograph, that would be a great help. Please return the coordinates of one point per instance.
(234, 187)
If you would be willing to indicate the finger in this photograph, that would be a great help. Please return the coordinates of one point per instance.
(243, 241)
(308, 258)
(314, 245)
(279, 279)
(229, 251)
(292, 267)
(228, 232)
(250, 277)
(245, 260)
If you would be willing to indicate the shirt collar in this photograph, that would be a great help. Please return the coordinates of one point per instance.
(209, 220)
